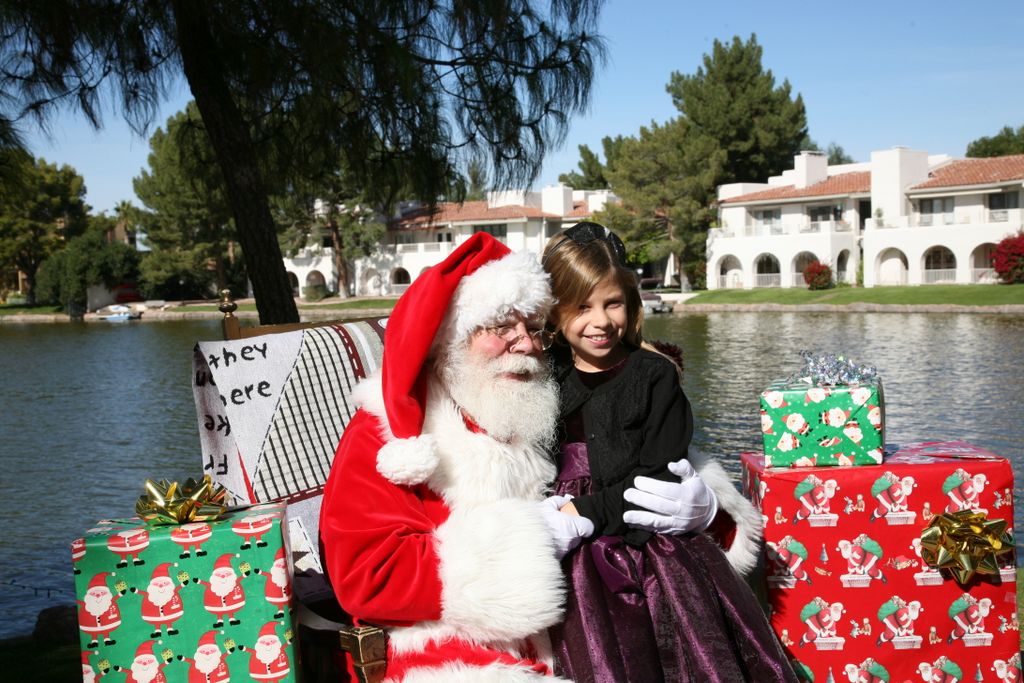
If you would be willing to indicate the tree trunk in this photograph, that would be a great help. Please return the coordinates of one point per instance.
(340, 265)
(230, 138)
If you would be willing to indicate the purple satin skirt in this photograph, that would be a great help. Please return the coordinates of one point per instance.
(672, 610)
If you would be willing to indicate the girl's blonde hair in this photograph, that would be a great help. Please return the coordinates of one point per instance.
(575, 270)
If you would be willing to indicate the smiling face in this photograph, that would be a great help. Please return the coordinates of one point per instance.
(596, 332)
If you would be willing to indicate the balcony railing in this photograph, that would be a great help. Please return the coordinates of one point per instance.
(768, 280)
(936, 275)
(998, 215)
(729, 282)
(983, 275)
(793, 227)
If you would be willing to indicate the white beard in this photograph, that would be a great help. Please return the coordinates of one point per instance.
(267, 653)
(143, 672)
(278, 576)
(515, 411)
(97, 605)
(207, 663)
(160, 595)
(88, 675)
(222, 586)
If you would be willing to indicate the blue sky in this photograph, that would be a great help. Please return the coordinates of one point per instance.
(873, 75)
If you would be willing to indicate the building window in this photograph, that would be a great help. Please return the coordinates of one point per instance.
(933, 208)
(824, 214)
(444, 237)
(402, 238)
(499, 231)
(768, 217)
(1000, 203)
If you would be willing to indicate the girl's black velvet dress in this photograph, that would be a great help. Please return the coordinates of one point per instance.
(644, 608)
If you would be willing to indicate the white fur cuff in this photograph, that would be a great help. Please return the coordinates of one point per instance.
(500, 580)
(746, 546)
(408, 462)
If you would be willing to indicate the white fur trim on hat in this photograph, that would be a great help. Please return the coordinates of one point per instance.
(408, 462)
(745, 550)
(515, 283)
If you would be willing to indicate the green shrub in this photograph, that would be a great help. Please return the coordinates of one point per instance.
(818, 275)
(314, 292)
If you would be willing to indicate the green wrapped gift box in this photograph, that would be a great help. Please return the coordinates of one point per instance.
(198, 601)
(805, 425)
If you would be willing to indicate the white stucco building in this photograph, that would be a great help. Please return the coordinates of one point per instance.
(416, 240)
(912, 217)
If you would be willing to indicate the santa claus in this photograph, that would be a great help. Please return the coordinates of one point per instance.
(77, 552)
(207, 665)
(128, 544)
(433, 523)
(278, 588)
(88, 673)
(161, 605)
(191, 537)
(145, 668)
(251, 528)
(98, 613)
(268, 660)
(224, 596)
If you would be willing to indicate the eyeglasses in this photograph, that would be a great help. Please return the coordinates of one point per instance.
(511, 335)
(588, 231)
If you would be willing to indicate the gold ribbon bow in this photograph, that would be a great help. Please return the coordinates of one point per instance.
(167, 502)
(965, 543)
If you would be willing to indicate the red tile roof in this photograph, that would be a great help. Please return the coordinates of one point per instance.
(975, 172)
(857, 182)
(450, 212)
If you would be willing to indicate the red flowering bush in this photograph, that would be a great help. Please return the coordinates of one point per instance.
(1008, 259)
(818, 275)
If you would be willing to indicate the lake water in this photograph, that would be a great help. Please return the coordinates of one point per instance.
(90, 411)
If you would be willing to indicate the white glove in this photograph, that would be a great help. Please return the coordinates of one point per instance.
(566, 530)
(672, 507)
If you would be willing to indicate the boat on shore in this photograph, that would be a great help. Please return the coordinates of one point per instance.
(118, 313)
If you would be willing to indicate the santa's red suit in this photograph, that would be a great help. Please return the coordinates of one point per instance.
(461, 577)
(218, 675)
(191, 537)
(274, 670)
(252, 528)
(162, 615)
(224, 604)
(278, 589)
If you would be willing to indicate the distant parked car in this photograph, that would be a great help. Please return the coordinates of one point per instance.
(651, 300)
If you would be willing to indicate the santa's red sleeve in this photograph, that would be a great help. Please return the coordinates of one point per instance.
(378, 537)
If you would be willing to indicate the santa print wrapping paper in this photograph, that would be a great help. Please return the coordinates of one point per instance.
(849, 595)
(803, 425)
(204, 601)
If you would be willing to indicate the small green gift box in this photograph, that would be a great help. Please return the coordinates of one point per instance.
(208, 599)
(808, 425)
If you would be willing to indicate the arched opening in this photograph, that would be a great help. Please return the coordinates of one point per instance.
(730, 273)
(892, 267)
(399, 280)
(315, 278)
(939, 266)
(802, 260)
(316, 286)
(769, 274)
(370, 284)
(981, 264)
(842, 264)
(293, 280)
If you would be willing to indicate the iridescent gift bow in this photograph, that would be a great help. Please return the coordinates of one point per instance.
(167, 502)
(829, 369)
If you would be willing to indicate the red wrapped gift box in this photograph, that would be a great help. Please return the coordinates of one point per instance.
(849, 594)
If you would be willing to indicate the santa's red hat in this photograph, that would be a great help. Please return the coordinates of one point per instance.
(99, 581)
(145, 648)
(162, 570)
(224, 562)
(269, 629)
(85, 657)
(481, 282)
(279, 555)
(208, 638)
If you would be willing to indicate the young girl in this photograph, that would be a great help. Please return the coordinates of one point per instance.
(642, 607)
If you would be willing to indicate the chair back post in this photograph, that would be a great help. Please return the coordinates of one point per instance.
(229, 323)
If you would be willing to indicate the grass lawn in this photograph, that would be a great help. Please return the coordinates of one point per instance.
(964, 295)
(19, 309)
(344, 305)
